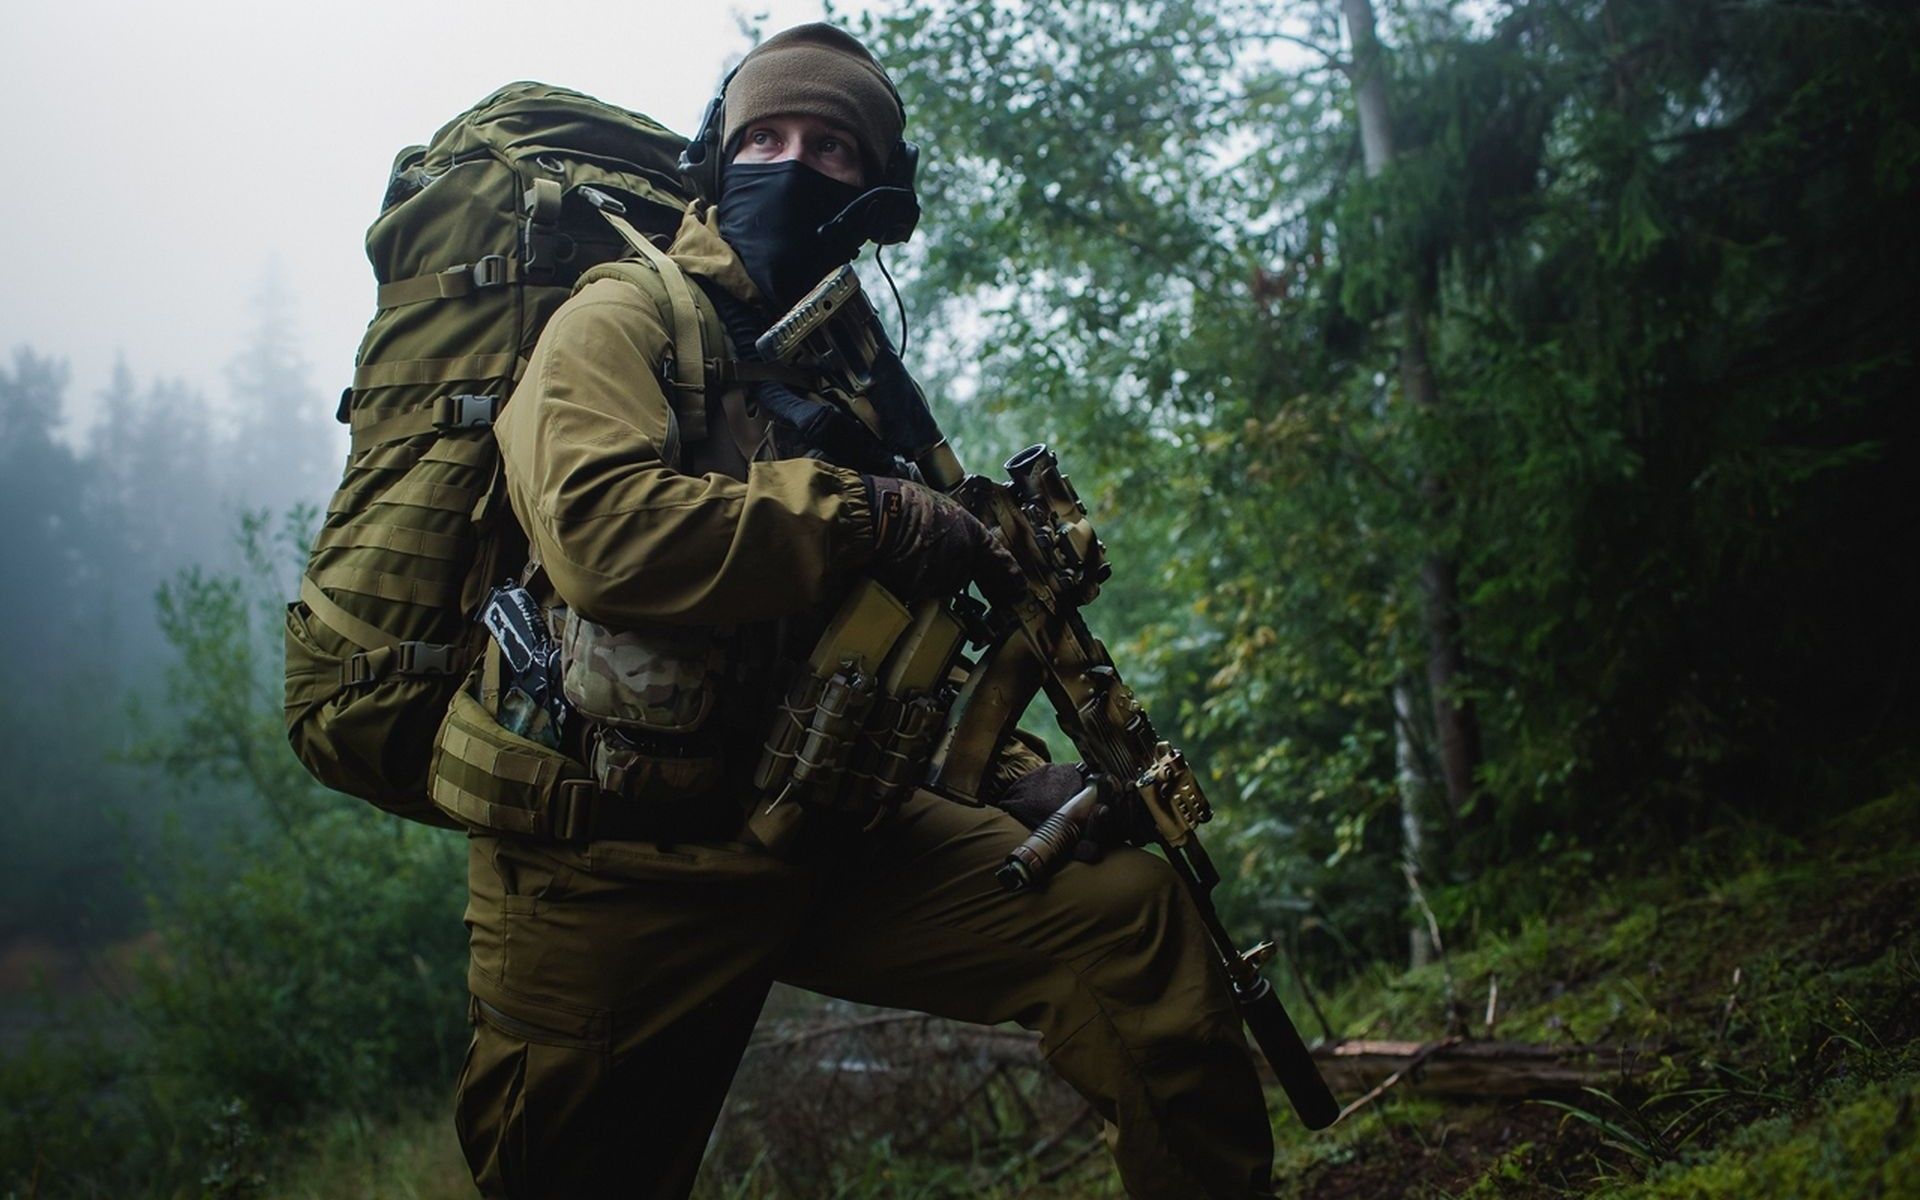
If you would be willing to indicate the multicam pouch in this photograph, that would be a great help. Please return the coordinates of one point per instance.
(660, 680)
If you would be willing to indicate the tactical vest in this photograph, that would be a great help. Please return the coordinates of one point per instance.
(846, 733)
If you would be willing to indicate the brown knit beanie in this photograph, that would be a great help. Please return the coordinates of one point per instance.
(817, 71)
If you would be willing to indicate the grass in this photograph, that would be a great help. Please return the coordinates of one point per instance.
(414, 1157)
(1864, 1146)
(1780, 984)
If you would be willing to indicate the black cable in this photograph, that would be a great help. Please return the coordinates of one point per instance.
(898, 304)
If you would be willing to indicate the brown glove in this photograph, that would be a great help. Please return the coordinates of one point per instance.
(926, 543)
(1037, 795)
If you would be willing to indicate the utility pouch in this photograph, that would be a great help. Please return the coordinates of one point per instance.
(489, 778)
(647, 681)
(790, 726)
(808, 751)
(893, 754)
(812, 744)
(820, 765)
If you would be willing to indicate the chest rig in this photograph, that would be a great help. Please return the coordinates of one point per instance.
(677, 725)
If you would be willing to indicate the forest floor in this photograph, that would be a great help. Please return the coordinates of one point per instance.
(1774, 994)
(1770, 985)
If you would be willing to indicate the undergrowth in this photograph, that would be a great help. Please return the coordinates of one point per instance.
(1770, 985)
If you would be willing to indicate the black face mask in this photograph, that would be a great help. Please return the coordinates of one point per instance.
(771, 214)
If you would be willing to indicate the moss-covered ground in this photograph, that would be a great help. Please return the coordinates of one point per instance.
(1777, 982)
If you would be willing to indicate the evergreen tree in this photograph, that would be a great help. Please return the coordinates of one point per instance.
(286, 449)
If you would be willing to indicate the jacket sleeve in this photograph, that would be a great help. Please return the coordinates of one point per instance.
(589, 443)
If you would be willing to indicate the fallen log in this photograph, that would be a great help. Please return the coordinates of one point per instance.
(1478, 1070)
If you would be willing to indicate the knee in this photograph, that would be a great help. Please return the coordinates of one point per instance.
(1130, 888)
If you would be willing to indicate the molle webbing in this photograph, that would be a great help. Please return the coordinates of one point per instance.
(460, 410)
(481, 237)
(461, 279)
(406, 371)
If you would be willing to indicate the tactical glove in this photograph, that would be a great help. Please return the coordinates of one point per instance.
(926, 543)
(1037, 795)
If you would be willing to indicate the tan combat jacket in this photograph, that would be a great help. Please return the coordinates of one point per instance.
(592, 456)
(628, 535)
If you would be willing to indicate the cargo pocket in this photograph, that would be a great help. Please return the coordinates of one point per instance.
(529, 1092)
(313, 674)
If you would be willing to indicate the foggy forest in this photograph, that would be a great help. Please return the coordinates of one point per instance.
(1501, 418)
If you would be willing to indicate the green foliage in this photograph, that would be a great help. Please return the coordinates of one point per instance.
(307, 961)
(1773, 991)
(1661, 249)
(1865, 1147)
(96, 519)
(326, 967)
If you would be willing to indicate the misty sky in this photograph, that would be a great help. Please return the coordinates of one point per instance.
(164, 157)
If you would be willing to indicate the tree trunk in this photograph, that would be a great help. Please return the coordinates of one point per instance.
(1455, 724)
(1412, 779)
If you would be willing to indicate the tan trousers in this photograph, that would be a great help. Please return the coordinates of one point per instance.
(616, 984)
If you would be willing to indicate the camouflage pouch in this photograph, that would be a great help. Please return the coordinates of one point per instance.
(660, 680)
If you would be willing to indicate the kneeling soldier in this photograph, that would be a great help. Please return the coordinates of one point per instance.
(619, 962)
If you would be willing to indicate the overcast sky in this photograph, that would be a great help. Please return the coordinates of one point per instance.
(162, 155)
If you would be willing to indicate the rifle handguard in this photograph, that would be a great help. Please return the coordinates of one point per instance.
(1029, 863)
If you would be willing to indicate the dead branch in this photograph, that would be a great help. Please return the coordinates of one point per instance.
(1465, 1069)
(787, 1039)
(1732, 1004)
(1413, 1064)
(1454, 1024)
(1067, 1164)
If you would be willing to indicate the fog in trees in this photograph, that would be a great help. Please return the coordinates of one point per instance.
(98, 515)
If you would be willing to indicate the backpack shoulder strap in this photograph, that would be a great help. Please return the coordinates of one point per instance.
(683, 320)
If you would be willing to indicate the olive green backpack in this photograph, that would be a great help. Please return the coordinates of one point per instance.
(482, 234)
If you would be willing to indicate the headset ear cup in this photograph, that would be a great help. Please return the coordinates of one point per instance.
(905, 165)
(700, 161)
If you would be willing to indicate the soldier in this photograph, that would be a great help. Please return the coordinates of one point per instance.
(616, 980)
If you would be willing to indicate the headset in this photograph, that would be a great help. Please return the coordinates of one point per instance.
(886, 213)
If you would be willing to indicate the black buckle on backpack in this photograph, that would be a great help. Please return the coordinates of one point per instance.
(490, 271)
(426, 658)
(465, 411)
(543, 251)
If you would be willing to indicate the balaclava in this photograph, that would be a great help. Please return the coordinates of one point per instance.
(772, 213)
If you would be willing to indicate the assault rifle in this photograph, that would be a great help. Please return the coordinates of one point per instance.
(1040, 643)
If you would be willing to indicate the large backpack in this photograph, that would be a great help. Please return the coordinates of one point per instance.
(482, 234)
